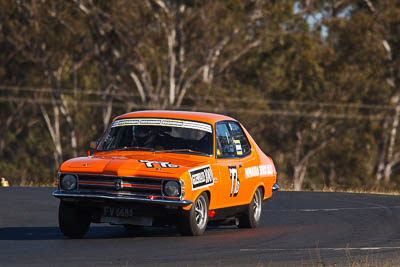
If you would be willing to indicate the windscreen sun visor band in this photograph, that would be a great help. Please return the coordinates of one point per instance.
(164, 122)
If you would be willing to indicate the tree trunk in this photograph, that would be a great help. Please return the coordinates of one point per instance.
(54, 130)
(172, 65)
(390, 160)
(382, 152)
(299, 175)
(63, 107)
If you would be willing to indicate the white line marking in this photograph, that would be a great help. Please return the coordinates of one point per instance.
(333, 209)
(308, 249)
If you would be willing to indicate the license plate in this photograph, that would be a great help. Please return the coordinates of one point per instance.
(118, 212)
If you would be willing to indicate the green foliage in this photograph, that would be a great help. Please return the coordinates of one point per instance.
(298, 74)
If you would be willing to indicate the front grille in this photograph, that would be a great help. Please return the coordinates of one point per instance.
(133, 186)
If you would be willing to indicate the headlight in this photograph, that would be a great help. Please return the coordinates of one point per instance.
(172, 189)
(69, 182)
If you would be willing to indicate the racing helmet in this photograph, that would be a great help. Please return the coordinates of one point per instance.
(142, 131)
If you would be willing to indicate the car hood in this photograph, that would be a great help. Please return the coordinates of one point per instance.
(135, 164)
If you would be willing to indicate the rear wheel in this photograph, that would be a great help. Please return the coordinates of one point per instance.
(73, 221)
(194, 221)
(252, 217)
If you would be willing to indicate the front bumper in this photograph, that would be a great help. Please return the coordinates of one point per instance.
(131, 199)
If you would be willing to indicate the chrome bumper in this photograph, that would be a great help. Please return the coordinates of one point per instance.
(178, 203)
(275, 187)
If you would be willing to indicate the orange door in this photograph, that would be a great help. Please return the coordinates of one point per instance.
(229, 183)
(230, 170)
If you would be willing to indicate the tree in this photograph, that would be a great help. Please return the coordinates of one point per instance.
(387, 20)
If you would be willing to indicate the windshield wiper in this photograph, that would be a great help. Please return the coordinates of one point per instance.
(128, 148)
(183, 150)
(137, 148)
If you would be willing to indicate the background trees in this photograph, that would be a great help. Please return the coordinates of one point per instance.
(317, 83)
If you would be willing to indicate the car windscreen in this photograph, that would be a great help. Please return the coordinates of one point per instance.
(167, 135)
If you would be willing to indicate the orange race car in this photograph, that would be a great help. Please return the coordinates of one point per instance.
(157, 168)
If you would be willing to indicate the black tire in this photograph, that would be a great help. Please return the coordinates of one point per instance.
(194, 222)
(73, 222)
(252, 217)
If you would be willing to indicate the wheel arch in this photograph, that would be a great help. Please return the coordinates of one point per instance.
(207, 191)
(208, 195)
(262, 186)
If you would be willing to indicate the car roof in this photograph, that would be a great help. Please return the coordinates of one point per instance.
(184, 115)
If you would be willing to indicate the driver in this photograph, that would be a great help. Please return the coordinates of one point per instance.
(144, 136)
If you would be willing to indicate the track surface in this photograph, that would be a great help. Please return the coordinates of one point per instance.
(298, 229)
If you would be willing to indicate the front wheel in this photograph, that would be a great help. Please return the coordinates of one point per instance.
(194, 222)
(252, 217)
(73, 221)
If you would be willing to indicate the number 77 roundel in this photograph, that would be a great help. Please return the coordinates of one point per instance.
(235, 185)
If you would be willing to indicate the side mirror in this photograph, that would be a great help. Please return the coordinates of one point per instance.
(92, 146)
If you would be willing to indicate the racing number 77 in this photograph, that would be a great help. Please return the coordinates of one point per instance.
(235, 181)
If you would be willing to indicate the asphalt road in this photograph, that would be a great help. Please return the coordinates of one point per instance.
(298, 229)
